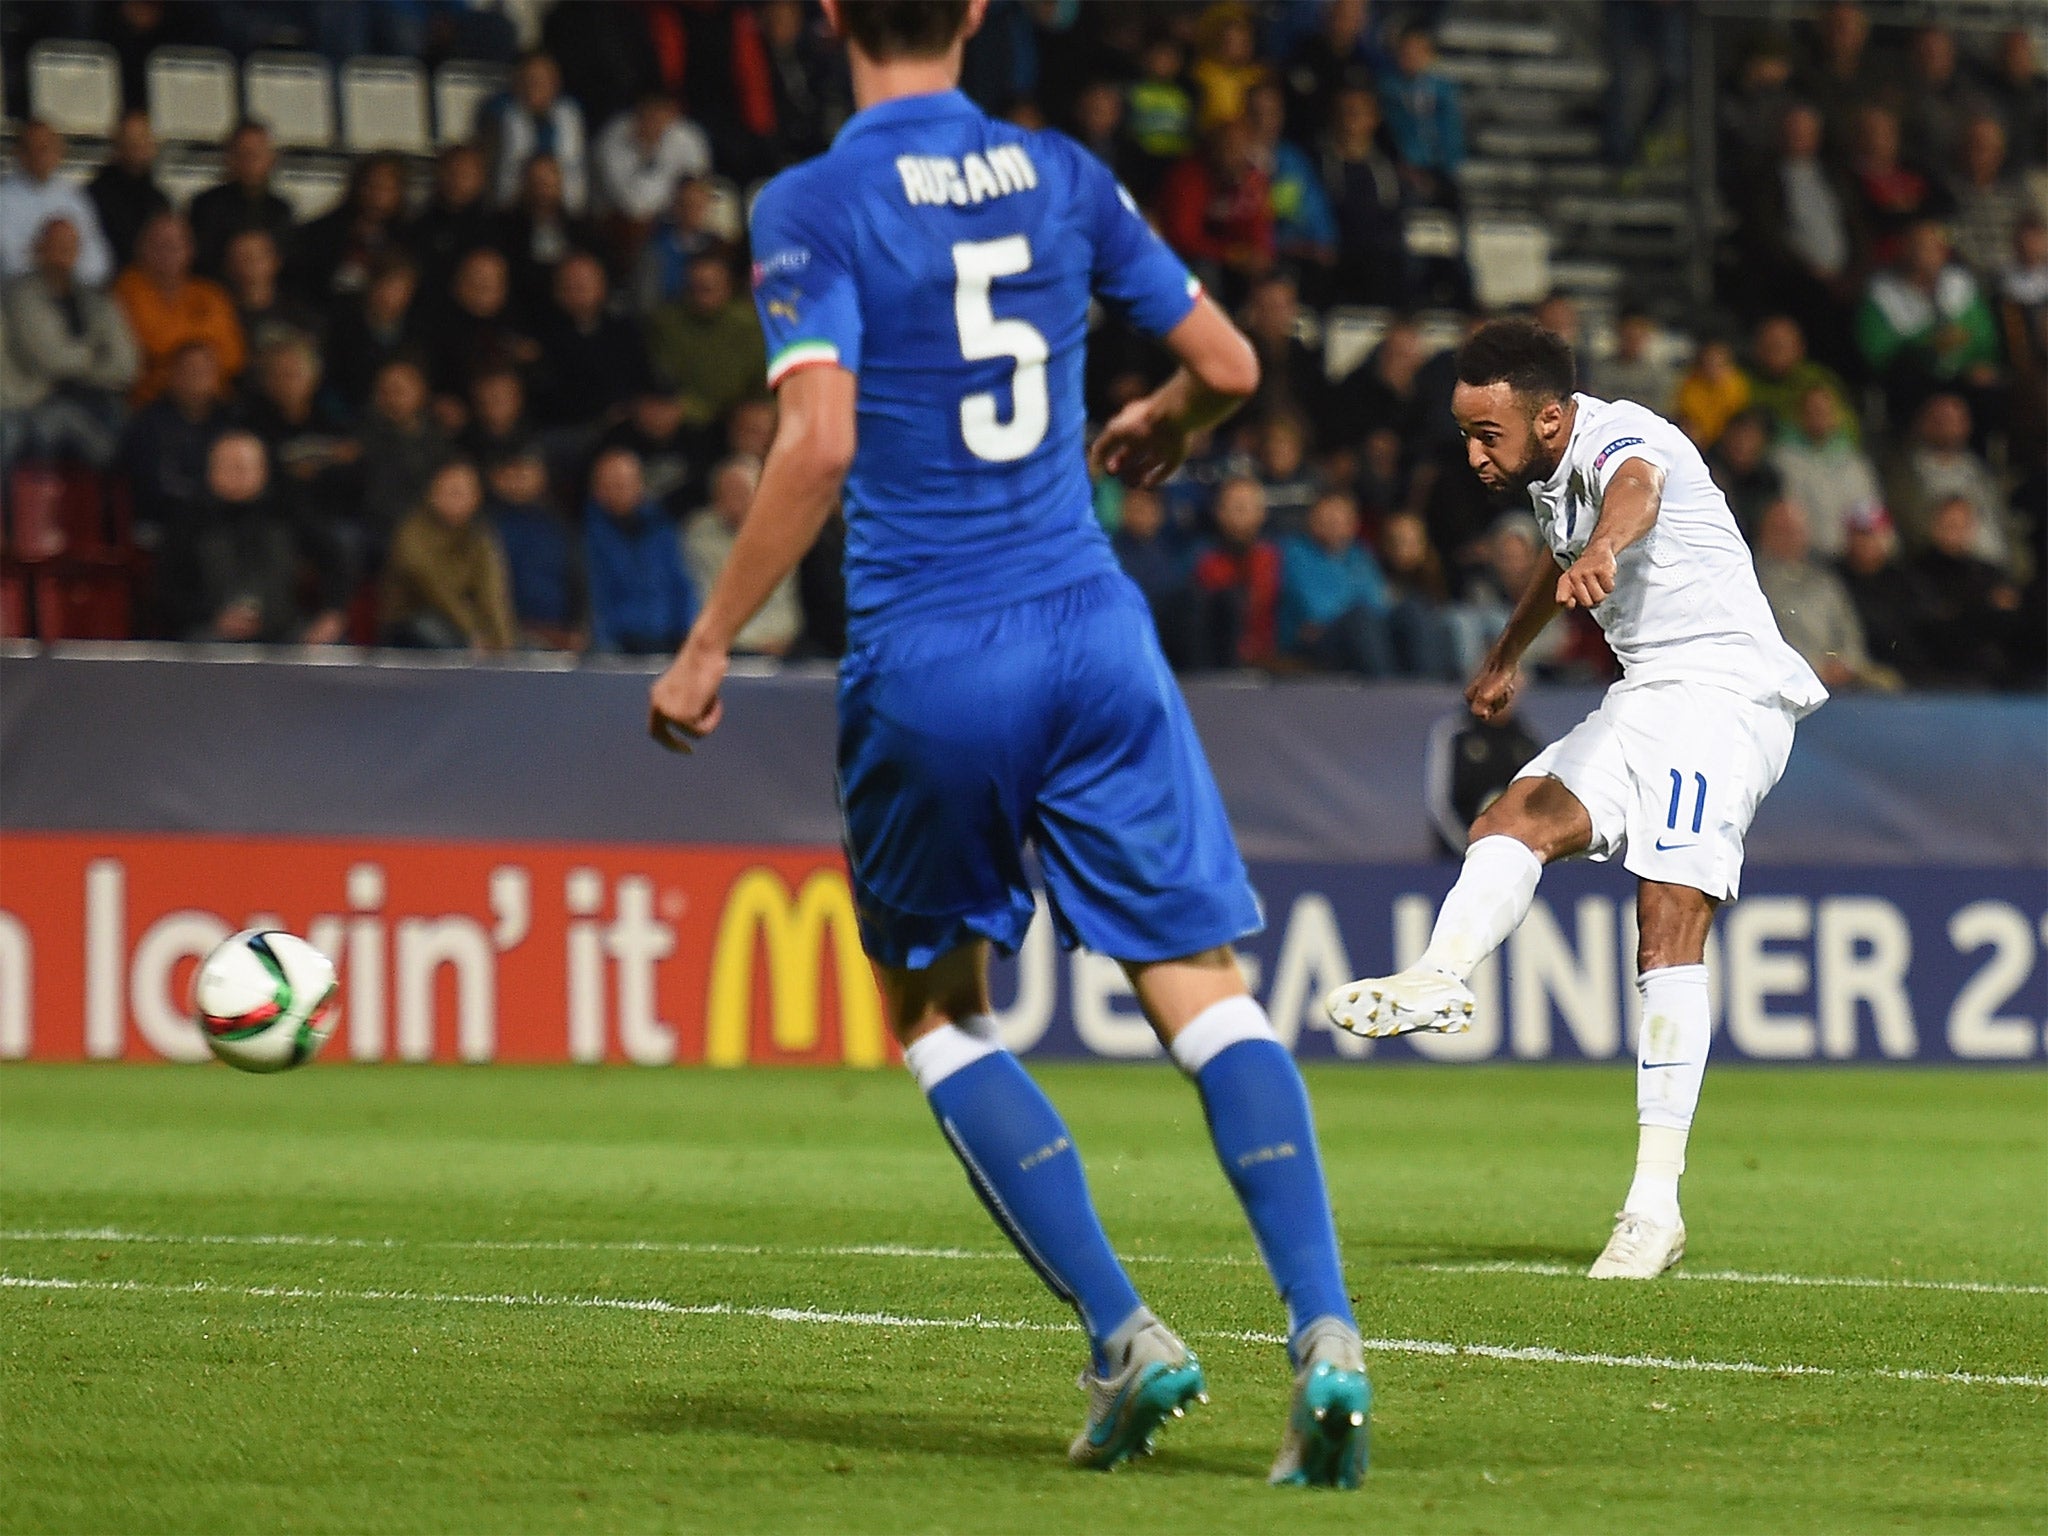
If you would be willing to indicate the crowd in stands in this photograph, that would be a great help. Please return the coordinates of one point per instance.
(515, 400)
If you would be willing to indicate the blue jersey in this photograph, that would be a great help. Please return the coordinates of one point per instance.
(948, 259)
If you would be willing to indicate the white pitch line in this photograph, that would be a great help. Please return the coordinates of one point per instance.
(979, 1255)
(1746, 1277)
(1523, 1354)
(557, 1245)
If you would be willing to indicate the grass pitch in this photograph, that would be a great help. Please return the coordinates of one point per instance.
(522, 1300)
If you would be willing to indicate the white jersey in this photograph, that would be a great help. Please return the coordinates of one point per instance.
(1686, 605)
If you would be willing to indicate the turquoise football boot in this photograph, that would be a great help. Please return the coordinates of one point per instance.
(1329, 1424)
(1157, 1379)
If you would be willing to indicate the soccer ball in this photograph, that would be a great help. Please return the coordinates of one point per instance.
(261, 999)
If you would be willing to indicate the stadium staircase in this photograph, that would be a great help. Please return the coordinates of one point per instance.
(1535, 79)
(1543, 211)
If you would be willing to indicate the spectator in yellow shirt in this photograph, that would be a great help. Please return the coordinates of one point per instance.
(1228, 69)
(168, 308)
(1712, 394)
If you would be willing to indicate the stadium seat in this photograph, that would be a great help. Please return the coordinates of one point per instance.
(362, 615)
(185, 173)
(1599, 280)
(1494, 180)
(35, 513)
(1536, 141)
(1475, 31)
(60, 509)
(1470, 69)
(312, 187)
(86, 600)
(726, 217)
(1349, 335)
(1510, 261)
(294, 94)
(384, 106)
(1577, 77)
(75, 87)
(78, 169)
(1433, 233)
(459, 90)
(15, 583)
(192, 94)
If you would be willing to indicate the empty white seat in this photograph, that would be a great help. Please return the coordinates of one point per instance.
(1477, 32)
(1589, 279)
(384, 106)
(459, 90)
(1510, 261)
(1439, 330)
(1536, 141)
(311, 188)
(192, 94)
(184, 175)
(727, 215)
(1583, 77)
(1432, 233)
(75, 87)
(1349, 335)
(294, 94)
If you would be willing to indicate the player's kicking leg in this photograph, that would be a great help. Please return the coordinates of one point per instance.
(1535, 821)
(1669, 776)
(1022, 1163)
(1264, 1135)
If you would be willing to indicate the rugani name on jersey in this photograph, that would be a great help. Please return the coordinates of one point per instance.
(942, 181)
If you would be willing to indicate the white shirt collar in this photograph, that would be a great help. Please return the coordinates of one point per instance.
(1584, 406)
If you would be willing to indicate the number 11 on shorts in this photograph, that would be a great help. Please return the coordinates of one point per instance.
(1699, 804)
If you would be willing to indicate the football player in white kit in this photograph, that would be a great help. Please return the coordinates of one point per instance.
(1666, 774)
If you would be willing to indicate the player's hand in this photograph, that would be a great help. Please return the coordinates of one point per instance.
(1142, 445)
(1492, 693)
(1589, 580)
(683, 704)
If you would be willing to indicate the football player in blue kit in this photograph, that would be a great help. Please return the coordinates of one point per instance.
(924, 286)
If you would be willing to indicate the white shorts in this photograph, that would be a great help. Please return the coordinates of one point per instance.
(1671, 774)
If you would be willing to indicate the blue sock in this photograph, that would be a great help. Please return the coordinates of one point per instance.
(1265, 1138)
(1023, 1165)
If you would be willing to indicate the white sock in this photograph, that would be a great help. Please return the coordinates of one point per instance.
(1492, 896)
(1677, 1029)
(934, 1057)
(1217, 1028)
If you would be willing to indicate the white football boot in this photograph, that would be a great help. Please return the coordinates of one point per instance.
(1640, 1249)
(1411, 1001)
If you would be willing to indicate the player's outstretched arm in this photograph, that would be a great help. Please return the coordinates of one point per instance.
(1627, 512)
(813, 448)
(1492, 692)
(1146, 441)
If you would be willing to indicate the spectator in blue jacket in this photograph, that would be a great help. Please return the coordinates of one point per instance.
(1422, 114)
(641, 601)
(1333, 597)
(542, 559)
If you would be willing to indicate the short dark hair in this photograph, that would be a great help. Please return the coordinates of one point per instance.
(903, 29)
(1525, 356)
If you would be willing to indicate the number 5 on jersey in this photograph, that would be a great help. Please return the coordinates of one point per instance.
(976, 264)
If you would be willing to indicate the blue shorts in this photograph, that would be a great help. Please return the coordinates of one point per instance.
(1054, 722)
